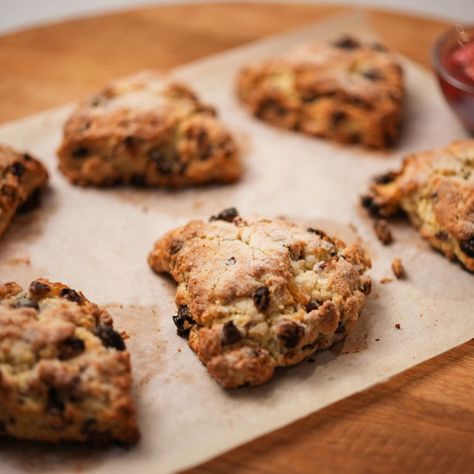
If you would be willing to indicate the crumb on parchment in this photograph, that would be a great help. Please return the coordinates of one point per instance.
(398, 268)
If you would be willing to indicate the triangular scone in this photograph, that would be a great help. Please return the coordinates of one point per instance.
(346, 90)
(255, 294)
(148, 131)
(21, 178)
(436, 191)
(64, 371)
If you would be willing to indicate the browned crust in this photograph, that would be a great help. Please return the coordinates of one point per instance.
(436, 190)
(64, 372)
(347, 94)
(21, 176)
(117, 137)
(256, 293)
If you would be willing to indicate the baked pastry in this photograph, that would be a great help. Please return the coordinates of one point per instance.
(21, 179)
(347, 91)
(255, 294)
(147, 131)
(64, 371)
(436, 191)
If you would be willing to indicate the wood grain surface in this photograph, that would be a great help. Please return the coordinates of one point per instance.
(420, 421)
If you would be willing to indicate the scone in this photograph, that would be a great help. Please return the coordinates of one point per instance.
(436, 191)
(347, 91)
(21, 178)
(147, 131)
(255, 294)
(64, 370)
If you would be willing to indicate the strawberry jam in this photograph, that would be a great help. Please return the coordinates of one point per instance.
(454, 63)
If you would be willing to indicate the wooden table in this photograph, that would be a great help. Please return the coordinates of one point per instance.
(420, 421)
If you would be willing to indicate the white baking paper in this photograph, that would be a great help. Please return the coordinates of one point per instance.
(98, 240)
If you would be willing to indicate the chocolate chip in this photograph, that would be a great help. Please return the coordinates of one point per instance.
(230, 334)
(467, 246)
(39, 289)
(70, 348)
(389, 139)
(27, 157)
(397, 326)
(346, 42)
(227, 215)
(337, 117)
(290, 334)
(201, 137)
(442, 235)
(369, 203)
(71, 295)
(231, 261)
(80, 152)
(366, 287)
(166, 163)
(55, 402)
(130, 141)
(341, 327)
(183, 321)
(109, 337)
(25, 302)
(261, 298)
(138, 180)
(373, 75)
(312, 305)
(385, 178)
(176, 246)
(17, 169)
(32, 202)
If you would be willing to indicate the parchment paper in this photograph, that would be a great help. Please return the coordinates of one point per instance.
(98, 240)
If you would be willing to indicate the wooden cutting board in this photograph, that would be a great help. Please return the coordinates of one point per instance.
(420, 421)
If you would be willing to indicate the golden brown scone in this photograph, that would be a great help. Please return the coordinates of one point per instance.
(255, 294)
(436, 190)
(147, 131)
(346, 91)
(21, 178)
(64, 371)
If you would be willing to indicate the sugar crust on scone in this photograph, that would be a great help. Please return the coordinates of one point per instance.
(147, 130)
(255, 294)
(436, 191)
(21, 178)
(347, 91)
(64, 371)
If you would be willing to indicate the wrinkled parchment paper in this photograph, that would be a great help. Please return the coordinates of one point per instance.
(98, 240)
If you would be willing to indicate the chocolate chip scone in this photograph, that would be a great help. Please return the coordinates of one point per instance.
(436, 191)
(346, 91)
(64, 371)
(21, 179)
(255, 294)
(147, 131)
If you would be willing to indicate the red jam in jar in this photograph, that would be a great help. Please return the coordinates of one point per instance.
(454, 63)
